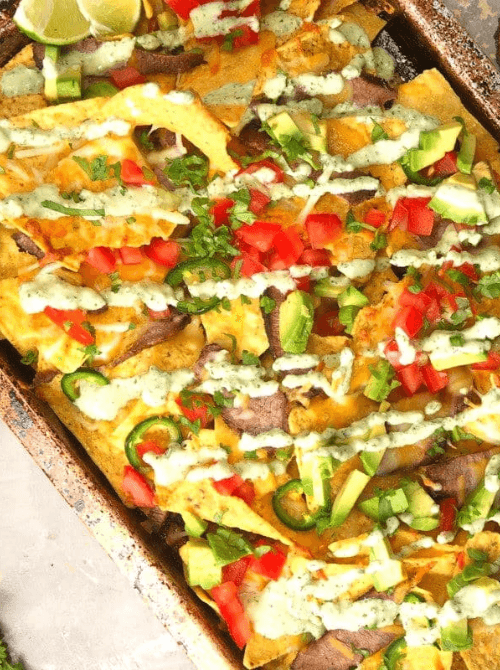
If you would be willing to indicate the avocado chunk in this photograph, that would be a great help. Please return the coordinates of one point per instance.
(372, 459)
(391, 572)
(346, 498)
(284, 128)
(296, 322)
(456, 198)
(330, 287)
(421, 506)
(195, 527)
(456, 636)
(433, 145)
(314, 131)
(202, 569)
(446, 362)
(388, 503)
(316, 473)
(100, 89)
(352, 296)
(69, 84)
(49, 71)
(476, 506)
(466, 154)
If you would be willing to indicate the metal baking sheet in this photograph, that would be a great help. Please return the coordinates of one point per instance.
(144, 560)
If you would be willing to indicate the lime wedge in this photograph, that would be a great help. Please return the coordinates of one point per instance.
(114, 17)
(52, 21)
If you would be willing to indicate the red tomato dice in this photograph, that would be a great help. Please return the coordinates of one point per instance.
(131, 255)
(226, 486)
(322, 228)
(269, 564)
(420, 217)
(163, 252)
(249, 265)
(127, 76)
(235, 572)
(246, 492)
(410, 320)
(447, 514)
(266, 163)
(231, 609)
(433, 379)
(102, 259)
(374, 217)
(411, 378)
(197, 410)
(258, 201)
(72, 322)
(315, 258)
(220, 211)
(137, 487)
(289, 246)
(260, 234)
(491, 363)
(132, 174)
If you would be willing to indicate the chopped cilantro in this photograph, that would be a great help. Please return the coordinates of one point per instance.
(71, 211)
(193, 426)
(378, 133)
(353, 226)
(90, 352)
(489, 285)
(189, 170)
(486, 185)
(240, 212)
(479, 568)
(381, 382)
(267, 304)
(30, 357)
(145, 141)
(245, 300)
(379, 241)
(228, 546)
(248, 358)
(457, 340)
(228, 43)
(4, 660)
(223, 401)
(457, 276)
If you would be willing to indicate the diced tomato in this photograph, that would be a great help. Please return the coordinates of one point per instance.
(289, 246)
(71, 321)
(447, 514)
(433, 379)
(399, 218)
(244, 37)
(220, 211)
(251, 251)
(151, 446)
(182, 7)
(156, 316)
(328, 324)
(231, 609)
(227, 486)
(132, 174)
(447, 165)
(253, 9)
(249, 266)
(275, 262)
(246, 492)
(491, 363)
(461, 560)
(421, 301)
(303, 284)
(254, 167)
(410, 377)
(260, 234)
(469, 271)
(374, 217)
(137, 487)
(198, 410)
(163, 252)
(393, 355)
(410, 320)
(420, 217)
(131, 255)
(102, 259)
(269, 564)
(258, 200)
(322, 228)
(127, 76)
(234, 572)
(315, 257)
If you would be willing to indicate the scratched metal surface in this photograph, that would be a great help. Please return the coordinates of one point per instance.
(480, 19)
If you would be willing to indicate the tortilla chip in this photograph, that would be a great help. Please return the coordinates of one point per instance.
(20, 104)
(243, 321)
(12, 261)
(484, 653)
(428, 657)
(261, 650)
(369, 21)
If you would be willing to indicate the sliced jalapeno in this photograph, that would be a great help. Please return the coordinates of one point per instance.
(282, 504)
(136, 435)
(69, 382)
(413, 598)
(198, 270)
(394, 653)
(197, 305)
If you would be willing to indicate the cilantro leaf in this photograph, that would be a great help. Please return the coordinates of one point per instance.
(248, 358)
(381, 382)
(189, 170)
(228, 546)
(489, 285)
(267, 304)
(378, 133)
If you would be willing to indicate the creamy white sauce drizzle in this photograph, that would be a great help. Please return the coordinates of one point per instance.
(48, 290)
(21, 80)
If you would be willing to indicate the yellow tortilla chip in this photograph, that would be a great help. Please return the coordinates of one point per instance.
(20, 104)
(261, 650)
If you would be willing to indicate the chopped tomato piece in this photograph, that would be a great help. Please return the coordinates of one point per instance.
(447, 514)
(420, 301)
(258, 200)
(434, 380)
(249, 266)
(399, 218)
(315, 257)
(393, 355)
(235, 572)
(420, 217)
(469, 271)
(231, 609)
(410, 320)
(244, 37)
(254, 167)
(197, 410)
(151, 446)
(220, 211)
(127, 76)
(491, 363)
(374, 217)
(251, 251)
(163, 252)
(410, 377)
(328, 324)
(131, 255)
(132, 174)
(303, 284)
(260, 234)
(227, 486)
(322, 228)
(447, 165)
(461, 560)
(289, 246)
(156, 316)
(137, 487)
(71, 321)
(102, 259)
(246, 492)
(182, 7)
(269, 564)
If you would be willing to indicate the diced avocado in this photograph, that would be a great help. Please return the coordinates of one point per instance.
(424, 523)
(351, 296)
(420, 504)
(316, 473)
(456, 198)
(167, 19)
(202, 569)
(433, 145)
(387, 504)
(69, 84)
(466, 154)
(456, 636)
(372, 459)
(347, 315)
(464, 180)
(330, 287)
(50, 71)
(391, 572)
(477, 505)
(441, 362)
(284, 127)
(370, 507)
(100, 89)
(314, 131)
(296, 322)
(346, 497)
(195, 527)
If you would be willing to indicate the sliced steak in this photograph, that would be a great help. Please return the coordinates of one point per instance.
(11, 39)
(272, 322)
(356, 197)
(324, 655)
(44, 377)
(155, 332)
(162, 138)
(157, 62)
(457, 477)
(26, 244)
(259, 416)
(208, 354)
(370, 90)
(255, 140)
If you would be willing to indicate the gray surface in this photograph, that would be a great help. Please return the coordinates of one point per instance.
(63, 603)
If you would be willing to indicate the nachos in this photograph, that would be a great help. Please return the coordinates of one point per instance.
(258, 276)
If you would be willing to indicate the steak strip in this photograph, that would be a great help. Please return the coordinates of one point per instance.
(259, 416)
(11, 39)
(157, 62)
(26, 244)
